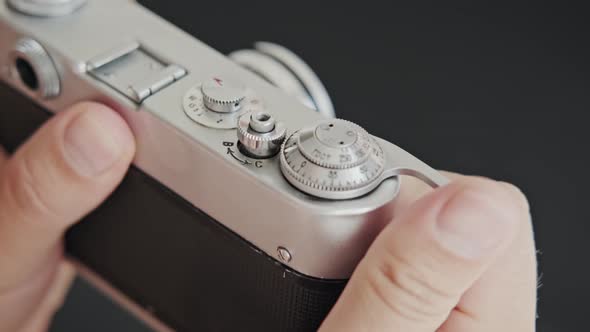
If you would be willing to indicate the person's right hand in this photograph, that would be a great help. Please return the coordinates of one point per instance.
(460, 259)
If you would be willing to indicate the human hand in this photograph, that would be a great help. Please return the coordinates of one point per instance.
(420, 275)
(459, 259)
(63, 172)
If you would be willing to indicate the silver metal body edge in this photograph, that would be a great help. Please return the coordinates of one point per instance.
(326, 239)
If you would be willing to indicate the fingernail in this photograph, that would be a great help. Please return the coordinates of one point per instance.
(475, 222)
(95, 140)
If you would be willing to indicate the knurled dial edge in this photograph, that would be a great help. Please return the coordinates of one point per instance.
(360, 160)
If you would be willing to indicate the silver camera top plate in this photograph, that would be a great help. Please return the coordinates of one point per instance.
(144, 67)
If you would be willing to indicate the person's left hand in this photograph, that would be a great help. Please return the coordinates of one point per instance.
(63, 172)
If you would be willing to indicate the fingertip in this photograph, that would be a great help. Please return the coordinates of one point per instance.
(96, 139)
(506, 196)
(518, 196)
(79, 156)
(477, 219)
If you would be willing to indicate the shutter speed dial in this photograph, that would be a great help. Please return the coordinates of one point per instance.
(337, 144)
(335, 159)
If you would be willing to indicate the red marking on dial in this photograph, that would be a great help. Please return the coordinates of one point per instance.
(218, 80)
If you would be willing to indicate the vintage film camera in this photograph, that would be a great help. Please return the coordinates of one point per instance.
(245, 210)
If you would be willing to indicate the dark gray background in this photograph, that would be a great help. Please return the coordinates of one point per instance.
(500, 91)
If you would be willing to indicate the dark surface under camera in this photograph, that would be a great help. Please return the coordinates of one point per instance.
(474, 88)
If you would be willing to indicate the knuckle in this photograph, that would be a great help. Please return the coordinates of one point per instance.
(26, 191)
(408, 290)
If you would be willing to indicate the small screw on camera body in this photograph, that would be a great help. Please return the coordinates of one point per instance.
(284, 254)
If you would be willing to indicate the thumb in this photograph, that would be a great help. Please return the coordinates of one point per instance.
(63, 172)
(418, 268)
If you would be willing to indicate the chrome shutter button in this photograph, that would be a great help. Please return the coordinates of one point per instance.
(260, 136)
